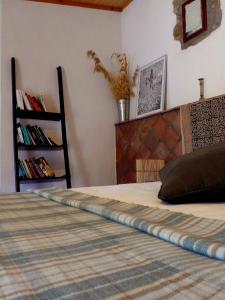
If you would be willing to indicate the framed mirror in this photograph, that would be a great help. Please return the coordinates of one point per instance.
(196, 19)
(194, 15)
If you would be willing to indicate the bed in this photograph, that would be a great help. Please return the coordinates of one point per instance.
(114, 242)
(147, 194)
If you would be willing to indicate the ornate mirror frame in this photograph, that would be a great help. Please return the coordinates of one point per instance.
(211, 17)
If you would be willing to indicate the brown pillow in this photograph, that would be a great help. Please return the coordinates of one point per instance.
(195, 177)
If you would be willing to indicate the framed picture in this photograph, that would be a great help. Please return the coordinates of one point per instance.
(194, 17)
(152, 87)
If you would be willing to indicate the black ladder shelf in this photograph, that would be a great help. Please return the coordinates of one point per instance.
(48, 116)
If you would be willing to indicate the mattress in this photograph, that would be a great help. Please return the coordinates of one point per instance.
(147, 194)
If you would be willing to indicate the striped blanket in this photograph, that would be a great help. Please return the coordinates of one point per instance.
(77, 247)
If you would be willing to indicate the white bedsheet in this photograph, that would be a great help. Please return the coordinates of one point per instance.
(146, 194)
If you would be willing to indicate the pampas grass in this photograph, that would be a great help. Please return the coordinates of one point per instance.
(121, 83)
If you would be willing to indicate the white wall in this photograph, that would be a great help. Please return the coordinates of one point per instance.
(147, 33)
(41, 37)
(0, 79)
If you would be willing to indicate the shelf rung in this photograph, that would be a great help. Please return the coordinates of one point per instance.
(40, 180)
(39, 147)
(30, 114)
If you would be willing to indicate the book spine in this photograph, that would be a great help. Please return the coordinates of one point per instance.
(19, 134)
(33, 103)
(25, 134)
(22, 172)
(30, 136)
(29, 170)
(41, 174)
(30, 101)
(38, 103)
(42, 141)
(26, 101)
(34, 172)
(52, 142)
(46, 168)
(42, 166)
(19, 99)
(28, 175)
(32, 132)
(43, 103)
(44, 136)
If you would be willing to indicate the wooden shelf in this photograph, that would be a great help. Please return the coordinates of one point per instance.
(30, 114)
(41, 180)
(39, 147)
(34, 115)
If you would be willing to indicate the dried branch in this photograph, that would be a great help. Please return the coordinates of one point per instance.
(121, 84)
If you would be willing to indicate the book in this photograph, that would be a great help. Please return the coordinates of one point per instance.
(27, 102)
(38, 102)
(52, 142)
(26, 136)
(22, 173)
(44, 136)
(41, 139)
(34, 104)
(28, 175)
(33, 134)
(19, 99)
(30, 137)
(45, 167)
(29, 169)
(20, 138)
(33, 169)
(27, 105)
(43, 103)
(23, 134)
(38, 169)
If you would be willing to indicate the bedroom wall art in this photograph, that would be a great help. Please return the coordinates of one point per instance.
(152, 87)
(196, 20)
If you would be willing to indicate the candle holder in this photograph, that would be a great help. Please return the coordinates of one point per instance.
(202, 88)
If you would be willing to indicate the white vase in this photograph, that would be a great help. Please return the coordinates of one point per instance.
(123, 109)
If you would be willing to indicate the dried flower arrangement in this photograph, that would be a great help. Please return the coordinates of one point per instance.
(122, 83)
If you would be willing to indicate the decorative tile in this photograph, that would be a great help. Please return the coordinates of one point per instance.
(157, 136)
(208, 122)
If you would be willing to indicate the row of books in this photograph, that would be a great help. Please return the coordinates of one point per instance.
(35, 169)
(33, 135)
(28, 102)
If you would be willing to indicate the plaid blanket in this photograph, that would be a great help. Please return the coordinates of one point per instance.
(75, 251)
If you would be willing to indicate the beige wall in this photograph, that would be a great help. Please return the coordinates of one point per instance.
(147, 33)
(41, 37)
(0, 82)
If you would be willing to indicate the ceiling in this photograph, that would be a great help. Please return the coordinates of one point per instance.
(113, 5)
